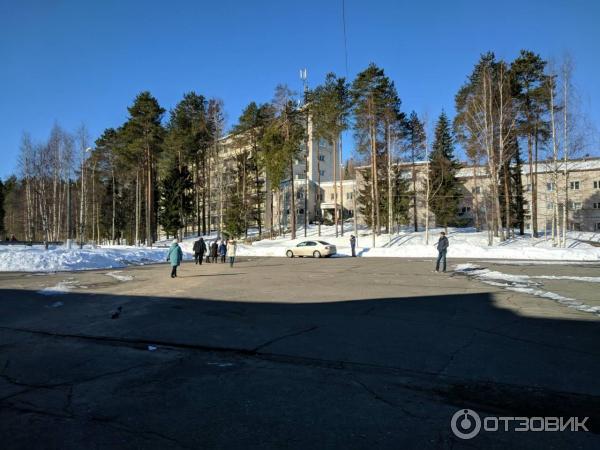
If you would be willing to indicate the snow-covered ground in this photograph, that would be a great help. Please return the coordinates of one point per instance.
(464, 243)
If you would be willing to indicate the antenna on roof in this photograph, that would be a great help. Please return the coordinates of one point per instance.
(304, 78)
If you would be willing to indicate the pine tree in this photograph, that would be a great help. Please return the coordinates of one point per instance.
(144, 134)
(330, 107)
(443, 168)
(376, 107)
(187, 139)
(250, 130)
(533, 105)
(415, 142)
(176, 200)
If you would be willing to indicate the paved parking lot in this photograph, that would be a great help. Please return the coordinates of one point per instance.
(280, 353)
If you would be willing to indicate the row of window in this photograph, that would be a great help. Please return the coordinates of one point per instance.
(573, 205)
(550, 187)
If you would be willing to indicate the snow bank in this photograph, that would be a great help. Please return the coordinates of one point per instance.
(21, 258)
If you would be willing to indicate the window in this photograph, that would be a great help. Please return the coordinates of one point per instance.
(477, 190)
(549, 186)
(348, 195)
(322, 143)
(528, 226)
(575, 185)
(301, 211)
(332, 196)
(322, 172)
(575, 206)
(321, 157)
(549, 205)
(596, 205)
(598, 226)
(596, 184)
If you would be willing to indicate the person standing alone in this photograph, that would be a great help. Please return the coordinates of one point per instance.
(353, 244)
(231, 249)
(174, 257)
(442, 248)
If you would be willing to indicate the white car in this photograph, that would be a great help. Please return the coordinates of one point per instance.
(316, 249)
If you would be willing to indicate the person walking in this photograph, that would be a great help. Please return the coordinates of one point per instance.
(222, 250)
(214, 251)
(175, 256)
(353, 245)
(442, 248)
(231, 249)
(199, 249)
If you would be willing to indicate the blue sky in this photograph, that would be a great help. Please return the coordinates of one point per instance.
(76, 62)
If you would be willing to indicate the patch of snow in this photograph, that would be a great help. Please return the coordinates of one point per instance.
(524, 284)
(117, 275)
(61, 288)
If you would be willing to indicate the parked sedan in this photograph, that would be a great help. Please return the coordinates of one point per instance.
(316, 249)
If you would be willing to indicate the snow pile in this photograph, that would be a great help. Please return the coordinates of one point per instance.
(22, 258)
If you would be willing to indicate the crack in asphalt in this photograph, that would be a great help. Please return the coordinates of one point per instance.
(437, 384)
(285, 336)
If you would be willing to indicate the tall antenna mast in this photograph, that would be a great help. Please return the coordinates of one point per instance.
(304, 78)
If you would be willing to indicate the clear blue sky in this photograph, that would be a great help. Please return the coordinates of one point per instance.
(76, 62)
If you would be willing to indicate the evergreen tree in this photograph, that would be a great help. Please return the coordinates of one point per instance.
(187, 139)
(443, 168)
(330, 107)
(376, 107)
(144, 135)
(235, 223)
(415, 143)
(176, 199)
(533, 105)
(250, 130)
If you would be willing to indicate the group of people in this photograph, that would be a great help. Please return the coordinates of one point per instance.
(223, 249)
(215, 251)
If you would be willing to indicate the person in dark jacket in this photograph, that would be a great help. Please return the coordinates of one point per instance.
(214, 251)
(199, 249)
(175, 256)
(442, 248)
(353, 244)
(222, 250)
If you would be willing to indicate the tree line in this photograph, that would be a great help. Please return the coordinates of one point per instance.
(166, 172)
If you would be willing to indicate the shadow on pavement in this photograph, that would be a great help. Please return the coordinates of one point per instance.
(186, 372)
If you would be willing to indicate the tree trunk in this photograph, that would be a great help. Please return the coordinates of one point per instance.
(335, 190)
(293, 200)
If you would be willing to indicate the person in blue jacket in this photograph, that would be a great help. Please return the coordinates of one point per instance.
(175, 257)
(222, 250)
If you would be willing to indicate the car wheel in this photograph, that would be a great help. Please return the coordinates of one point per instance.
(317, 254)
(289, 254)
